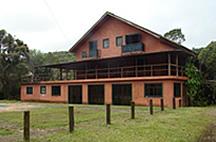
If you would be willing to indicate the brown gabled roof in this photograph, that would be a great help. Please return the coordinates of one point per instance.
(109, 14)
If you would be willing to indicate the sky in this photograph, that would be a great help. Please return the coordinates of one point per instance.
(56, 25)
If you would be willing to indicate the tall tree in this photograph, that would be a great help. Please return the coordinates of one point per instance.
(14, 60)
(175, 35)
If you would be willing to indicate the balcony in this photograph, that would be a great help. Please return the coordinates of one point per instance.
(134, 47)
(163, 64)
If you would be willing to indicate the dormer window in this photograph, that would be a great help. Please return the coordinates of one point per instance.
(119, 41)
(84, 55)
(106, 43)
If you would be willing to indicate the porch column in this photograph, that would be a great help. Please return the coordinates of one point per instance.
(66, 74)
(61, 74)
(96, 72)
(74, 74)
(108, 70)
(169, 65)
(85, 71)
(136, 71)
(177, 72)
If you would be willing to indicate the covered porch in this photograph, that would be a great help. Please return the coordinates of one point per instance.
(169, 63)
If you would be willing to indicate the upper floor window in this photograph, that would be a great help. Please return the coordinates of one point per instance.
(84, 55)
(93, 48)
(119, 41)
(134, 38)
(106, 43)
(29, 90)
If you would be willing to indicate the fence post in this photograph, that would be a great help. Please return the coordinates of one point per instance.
(180, 103)
(71, 119)
(162, 104)
(151, 106)
(132, 110)
(108, 114)
(26, 126)
(174, 103)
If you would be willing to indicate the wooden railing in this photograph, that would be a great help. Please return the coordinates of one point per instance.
(130, 71)
(115, 72)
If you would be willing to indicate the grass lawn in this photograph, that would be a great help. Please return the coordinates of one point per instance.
(51, 124)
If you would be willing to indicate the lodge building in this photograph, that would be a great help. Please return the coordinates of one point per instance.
(117, 61)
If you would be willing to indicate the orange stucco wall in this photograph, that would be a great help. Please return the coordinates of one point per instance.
(137, 90)
(113, 28)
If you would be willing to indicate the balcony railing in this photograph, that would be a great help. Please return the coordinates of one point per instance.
(132, 47)
(116, 72)
(130, 71)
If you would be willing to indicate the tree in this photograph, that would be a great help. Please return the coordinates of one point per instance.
(14, 61)
(195, 79)
(175, 35)
(207, 58)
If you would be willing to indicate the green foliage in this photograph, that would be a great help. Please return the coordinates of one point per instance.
(195, 79)
(38, 58)
(17, 61)
(175, 35)
(207, 58)
(14, 60)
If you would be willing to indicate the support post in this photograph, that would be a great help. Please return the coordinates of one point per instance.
(26, 126)
(122, 72)
(174, 103)
(180, 103)
(75, 74)
(74, 78)
(108, 70)
(151, 70)
(60, 74)
(66, 74)
(86, 71)
(136, 71)
(71, 119)
(177, 69)
(132, 110)
(169, 64)
(108, 114)
(96, 73)
(151, 106)
(162, 104)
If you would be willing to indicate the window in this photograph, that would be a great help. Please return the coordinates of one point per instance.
(135, 38)
(29, 90)
(43, 89)
(84, 54)
(119, 41)
(93, 48)
(106, 43)
(153, 90)
(56, 90)
(177, 89)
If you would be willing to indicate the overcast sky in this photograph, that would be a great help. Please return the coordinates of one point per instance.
(55, 25)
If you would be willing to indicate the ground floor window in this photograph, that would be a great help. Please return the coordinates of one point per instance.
(29, 90)
(177, 89)
(56, 90)
(43, 89)
(153, 90)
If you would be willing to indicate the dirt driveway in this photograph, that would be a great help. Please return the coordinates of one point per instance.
(24, 106)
